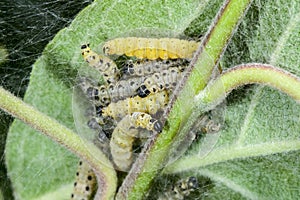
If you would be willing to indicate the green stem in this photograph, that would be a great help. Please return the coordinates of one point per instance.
(206, 58)
(248, 74)
(102, 166)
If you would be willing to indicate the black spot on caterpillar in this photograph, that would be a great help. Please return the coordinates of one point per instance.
(103, 64)
(85, 184)
(151, 48)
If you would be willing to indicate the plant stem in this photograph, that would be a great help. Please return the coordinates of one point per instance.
(247, 74)
(103, 168)
(206, 58)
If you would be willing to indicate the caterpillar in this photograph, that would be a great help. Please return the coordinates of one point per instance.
(103, 64)
(167, 79)
(85, 184)
(105, 94)
(146, 68)
(151, 48)
(141, 86)
(151, 104)
(124, 134)
(181, 189)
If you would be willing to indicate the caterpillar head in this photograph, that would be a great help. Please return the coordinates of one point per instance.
(93, 93)
(142, 91)
(192, 183)
(128, 68)
(85, 49)
(106, 49)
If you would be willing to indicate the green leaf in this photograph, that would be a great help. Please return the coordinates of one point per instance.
(260, 137)
(257, 154)
(39, 168)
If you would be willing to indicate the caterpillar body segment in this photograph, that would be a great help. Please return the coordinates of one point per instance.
(146, 68)
(97, 94)
(151, 104)
(167, 79)
(85, 184)
(121, 144)
(124, 135)
(146, 121)
(105, 94)
(124, 88)
(103, 64)
(181, 189)
(151, 48)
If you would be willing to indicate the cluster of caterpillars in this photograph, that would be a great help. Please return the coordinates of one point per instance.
(133, 96)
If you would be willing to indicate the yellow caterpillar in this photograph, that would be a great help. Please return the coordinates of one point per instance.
(125, 133)
(85, 184)
(151, 48)
(181, 189)
(151, 104)
(103, 64)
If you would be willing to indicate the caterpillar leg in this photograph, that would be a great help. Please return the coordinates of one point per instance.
(85, 184)
(124, 135)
